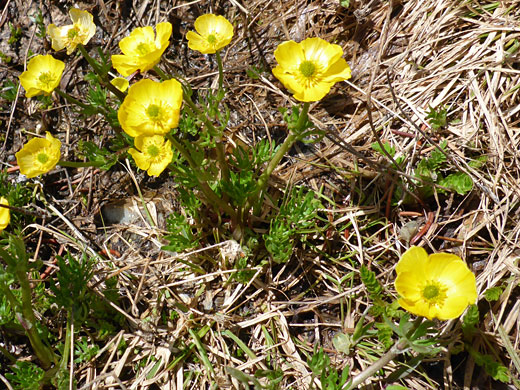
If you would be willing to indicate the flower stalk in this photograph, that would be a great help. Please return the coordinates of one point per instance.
(18, 262)
(104, 79)
(294, 135)
(211, 196)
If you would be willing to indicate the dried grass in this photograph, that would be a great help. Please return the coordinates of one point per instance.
(436, 53)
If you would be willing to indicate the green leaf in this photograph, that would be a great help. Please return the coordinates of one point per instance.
(342, 342)
(493, 293)
(469, 322)
(384, 334)
(459, 182)
(26, 376)
(388, 148)
(437, 118)
(344, 3)
(370, 281)
(100, 157)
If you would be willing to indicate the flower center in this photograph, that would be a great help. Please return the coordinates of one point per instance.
(46, 78)
(152, 151)
(154, 112)
(143, 49)
(42, 158)
(72, 33)
(307, 68)
(434, 292)
(430, 292)
(212, 39)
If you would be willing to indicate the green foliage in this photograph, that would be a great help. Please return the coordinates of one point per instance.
(384, 334)
(274, 377)
(438, 119)
(492, 367)
(434, 168)
(493, 293)
(470, 321)
(246, 166)
(15, 34)
(37, 19)
(254, 72)
(181, 234)
(459, 182)
(329, 376)
(389, 149)
(70, 285)
(25, 376)
(99, 157)
(188, 124)
(5, 58)
(84, 351)
(370, 281)
(344, 3)
(297, 215)
(7, 314)
(420, 334)
(278, 241)
(18, 195)
(342, 342)
(292, 118)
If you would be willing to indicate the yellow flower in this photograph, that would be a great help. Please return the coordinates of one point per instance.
(142, 49)
(213, 33)
(310, 68)
(70, 36)
(5, 215)
(42, 76)
(435, 286)
(39, 155)
(151, 107)
(120, 83)
(154, 154)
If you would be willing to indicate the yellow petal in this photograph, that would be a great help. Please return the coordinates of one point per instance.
(314, 93)
(85, 21)
(156, 163)
(163, 31)
(56, 36)
(133, 113)
(41, 68)
(411, 259)
(338, 71)
(5, 214)
(28, 157)
(310, 68)
(213, 33)
(141, 49)
(289, 55)
(140, 159)
(321, 51)
(120, 83)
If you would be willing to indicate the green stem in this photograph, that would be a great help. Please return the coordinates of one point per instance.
(104, 79)
(220, 71)
(392, 353)
(379, 364)
(77, 164)
(221, 156)
(28, 321)
(72, 100)
(68, 340)
(161, 74)
(292, 137)
(211, 196)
